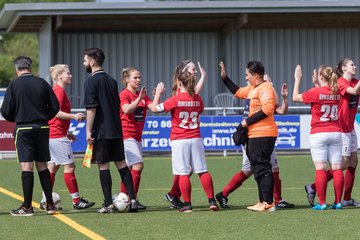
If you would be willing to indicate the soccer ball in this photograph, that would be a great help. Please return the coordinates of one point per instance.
(57, 200)
(121, 201)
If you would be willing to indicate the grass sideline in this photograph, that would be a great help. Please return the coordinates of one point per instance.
(161, 222)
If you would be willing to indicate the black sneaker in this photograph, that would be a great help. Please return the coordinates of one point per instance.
(109, 209)
(50, 209)
(174, 201)
(140, 206)
(186, 209)
(213, 206)
(22, 211)
(42, 205)
(83, 204)
(222, 200)
(133, 206)
(284, 204)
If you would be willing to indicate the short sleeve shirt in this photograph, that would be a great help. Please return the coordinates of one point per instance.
(348, 104)
(133, 124)
(185, 115)
(59, 127)
(324, 109)
(101, 92)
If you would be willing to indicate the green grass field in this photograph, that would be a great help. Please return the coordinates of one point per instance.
(161, 222)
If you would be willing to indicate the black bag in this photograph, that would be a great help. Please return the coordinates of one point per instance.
(240, 136)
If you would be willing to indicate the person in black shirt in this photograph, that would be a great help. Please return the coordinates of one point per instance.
(103, 128)
(30, 102)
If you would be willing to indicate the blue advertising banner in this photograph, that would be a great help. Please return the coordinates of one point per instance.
(216, 132)
(79, 130)
(288, 132)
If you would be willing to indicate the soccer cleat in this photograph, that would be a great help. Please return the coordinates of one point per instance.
(265, 207)
(140, 206)
(284, 204)
(319, 207)
(351, 202)
(336, 206)
(83, 204)
(310, 194)
(255, 207)
(186, 209)
(109, 209)
(50, 209)
(133, 206)
(42, 205)
(22, 211)
(222, 200)
(174, 201)
(213, 206)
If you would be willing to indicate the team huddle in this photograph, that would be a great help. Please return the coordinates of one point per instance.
(114, 124)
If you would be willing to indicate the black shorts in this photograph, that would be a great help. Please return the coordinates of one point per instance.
(108, 150)
(32, 143)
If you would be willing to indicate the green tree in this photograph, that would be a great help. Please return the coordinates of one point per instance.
(13, 45)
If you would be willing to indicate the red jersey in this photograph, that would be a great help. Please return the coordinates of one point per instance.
(59, 127)
(185, 115)
(133, 124)
(348, 105)
(324, 109)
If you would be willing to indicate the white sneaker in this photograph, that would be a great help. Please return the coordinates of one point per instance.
(351, 202)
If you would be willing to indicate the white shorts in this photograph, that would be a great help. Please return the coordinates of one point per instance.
(61, 152)
(246, 162)
(133, 152)
(349, 143)
(326, 147)
(188, 155)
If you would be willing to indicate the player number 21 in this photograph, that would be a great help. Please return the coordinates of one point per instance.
(330, 113)
(185, 117)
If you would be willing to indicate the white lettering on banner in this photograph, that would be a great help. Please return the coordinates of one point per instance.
(4, 135)
(218, 141)
(224, 131)
(287, 130)
(155, 142)
(155, 123)
(75, 129)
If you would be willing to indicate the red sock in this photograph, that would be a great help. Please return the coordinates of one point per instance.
(52, 178)
(207, 184)
(277, 187)
(136, 177)
(338, 184)
(329, 175)
(175, 189)
(71, 184)
(321, 185)
(234, 183)
(123, 188)
(349, 182)
(185, 187)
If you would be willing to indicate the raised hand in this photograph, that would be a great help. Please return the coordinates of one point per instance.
(267, 78)
(298, 73)
(284, 90)
(202, 71)
(222, 70)
(142, 93)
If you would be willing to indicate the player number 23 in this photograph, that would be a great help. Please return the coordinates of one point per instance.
(330, 113)
(185, 117)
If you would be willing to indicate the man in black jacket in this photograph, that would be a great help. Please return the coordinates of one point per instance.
(30, 102)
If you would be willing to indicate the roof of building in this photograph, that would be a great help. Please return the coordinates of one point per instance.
(174, 15)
